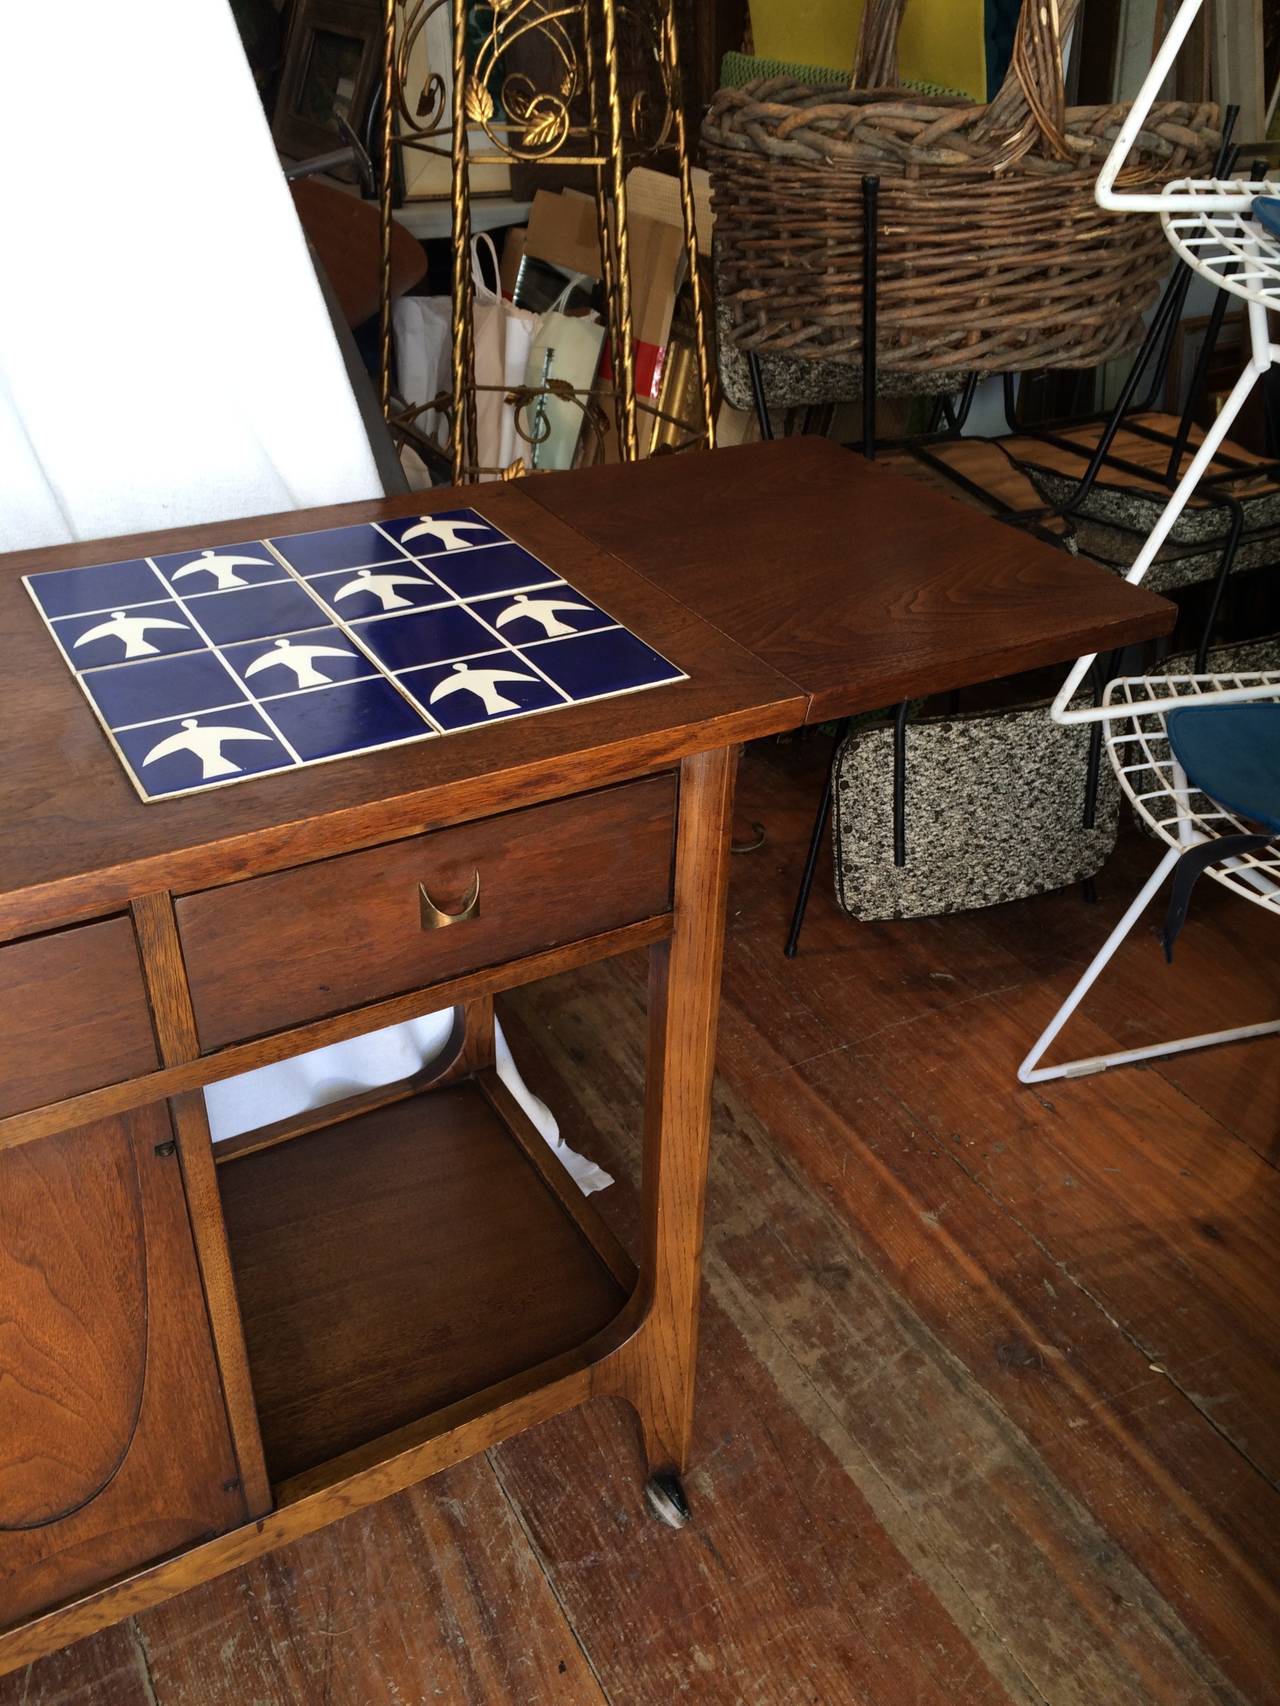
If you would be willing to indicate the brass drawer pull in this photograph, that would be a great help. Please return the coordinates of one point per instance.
(436, 918)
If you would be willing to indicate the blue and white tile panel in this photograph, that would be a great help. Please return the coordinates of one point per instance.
(210, 667)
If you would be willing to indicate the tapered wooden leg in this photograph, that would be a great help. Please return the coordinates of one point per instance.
(477, 1036)
(684, 998)
(176, 1032)
(473, 1043)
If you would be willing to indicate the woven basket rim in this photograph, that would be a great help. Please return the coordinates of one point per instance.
(818, 125)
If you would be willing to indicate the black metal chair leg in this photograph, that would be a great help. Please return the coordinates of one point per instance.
(870, 309)
(965, 404)
(1092, 777)
(820, 820)
(756, 374)
(1157, 343)
(1093, 767)
(1220, 582)
(1009, 390)
(1195, 390)
(900, 784)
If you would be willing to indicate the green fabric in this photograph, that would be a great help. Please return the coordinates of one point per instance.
(737, 69)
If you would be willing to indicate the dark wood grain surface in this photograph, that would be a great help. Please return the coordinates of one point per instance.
(78, 840)
(406, 1277)
(790, 580)
(114, 1448)
(73, 1014)
(859, 585)
(393, 1264)
(987, 1402)
(281, 949)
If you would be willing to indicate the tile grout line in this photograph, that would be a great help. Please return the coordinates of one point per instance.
(343, 624)
(217, 652)
(520, 650)
(460, 604)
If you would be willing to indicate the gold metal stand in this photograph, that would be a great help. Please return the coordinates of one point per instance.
(576, 109)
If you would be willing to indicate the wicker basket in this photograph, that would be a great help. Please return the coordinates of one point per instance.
(993, 256)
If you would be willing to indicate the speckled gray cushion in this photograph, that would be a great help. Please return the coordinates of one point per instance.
(1139, 511)
(1177, 565)
(1115, 522)
(793, 382)
(1240, 657)
(995, 807)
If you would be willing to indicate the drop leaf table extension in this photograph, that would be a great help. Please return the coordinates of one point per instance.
(205, 1353)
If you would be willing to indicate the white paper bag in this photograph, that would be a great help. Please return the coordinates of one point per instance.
(503, 335)
(422, 326)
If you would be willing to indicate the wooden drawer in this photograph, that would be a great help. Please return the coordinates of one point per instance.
(73, 1014)
(279, 950)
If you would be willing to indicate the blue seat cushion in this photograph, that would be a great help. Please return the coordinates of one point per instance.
(1266, 210)
(1232, 753)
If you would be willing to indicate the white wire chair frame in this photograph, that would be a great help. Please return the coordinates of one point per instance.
(1207, 224)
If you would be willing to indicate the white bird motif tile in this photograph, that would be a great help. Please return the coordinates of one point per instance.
(214, 666)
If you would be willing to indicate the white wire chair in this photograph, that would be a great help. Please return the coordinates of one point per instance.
(1208, 224)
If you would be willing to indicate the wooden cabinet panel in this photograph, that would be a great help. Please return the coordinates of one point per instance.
(299, 944)
(75, 1308)
(73, 1014)
(114, 1447)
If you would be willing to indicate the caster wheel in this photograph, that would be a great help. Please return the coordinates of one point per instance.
(665, 1497)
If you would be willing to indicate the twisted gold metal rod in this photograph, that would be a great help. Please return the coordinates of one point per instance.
(609, 272)
(624, 350)
(463, 444)
(386, 189)
(689, 214)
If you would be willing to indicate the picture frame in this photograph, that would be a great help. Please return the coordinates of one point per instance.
(332, 71)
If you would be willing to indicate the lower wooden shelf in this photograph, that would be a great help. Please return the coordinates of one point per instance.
(398, 1261)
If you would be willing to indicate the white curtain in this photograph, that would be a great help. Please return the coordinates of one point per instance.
(165, 353)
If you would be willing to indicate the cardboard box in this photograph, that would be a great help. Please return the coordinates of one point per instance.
(563, 230)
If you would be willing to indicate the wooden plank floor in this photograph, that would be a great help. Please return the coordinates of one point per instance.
(989, 1407)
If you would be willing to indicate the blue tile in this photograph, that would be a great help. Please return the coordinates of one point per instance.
(123, 634)
(426, 636)
(334, 720)
(335, 548)
(370, 592)
(199, 751)
(540, 615)
(451, 532)
(162, 687)
(597, 664)
(313, 659)
(482, 690)
(71, 592)
(473, 574)
(257, 613)
(219, 569)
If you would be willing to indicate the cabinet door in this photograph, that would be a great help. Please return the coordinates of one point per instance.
(114, 1445)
